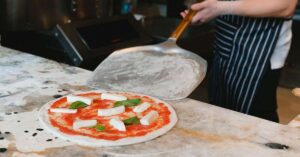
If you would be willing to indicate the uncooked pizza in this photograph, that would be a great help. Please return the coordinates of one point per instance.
(107, 118)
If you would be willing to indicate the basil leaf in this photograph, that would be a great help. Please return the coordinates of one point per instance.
(77, 104)
(99, 127)
(132, 120)
(128, 103)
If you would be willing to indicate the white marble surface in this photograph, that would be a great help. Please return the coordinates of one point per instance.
(27, 82)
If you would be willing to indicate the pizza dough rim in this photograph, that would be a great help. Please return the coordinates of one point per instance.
(88, 141)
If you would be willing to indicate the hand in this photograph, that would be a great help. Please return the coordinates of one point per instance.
(296, 92)
(206, 11)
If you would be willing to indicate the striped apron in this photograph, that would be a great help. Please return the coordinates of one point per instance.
(243, 48)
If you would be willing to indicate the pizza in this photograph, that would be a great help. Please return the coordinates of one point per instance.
(99, 118)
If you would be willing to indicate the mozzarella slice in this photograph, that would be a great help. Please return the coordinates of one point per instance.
(149, 118)
(63, 110)
(114, 97)
(84, 123)
(142, 107)
(117, 124)
(73, 98)
(111, 111)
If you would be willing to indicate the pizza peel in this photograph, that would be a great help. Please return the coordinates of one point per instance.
(164, 70)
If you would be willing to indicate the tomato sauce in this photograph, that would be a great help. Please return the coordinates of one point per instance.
(109, 133)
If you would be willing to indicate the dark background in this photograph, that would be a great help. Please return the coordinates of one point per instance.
(27, 25)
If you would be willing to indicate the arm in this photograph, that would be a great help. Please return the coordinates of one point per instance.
(209, 9)
(261, 8)
(296, 92)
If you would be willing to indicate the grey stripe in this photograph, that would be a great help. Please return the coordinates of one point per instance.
(245, 63)
(227, 49)
(232, 19)
(261, 70)
(222, 72)
(251, 64)
(240, 42)
(225, 30)
(235, 59)
(224, 87)
(238, 77)
(225, 24)
(238, 59)
(224, 42)
(255, 70)
(233, 49)
(219, 81)
(224, 36)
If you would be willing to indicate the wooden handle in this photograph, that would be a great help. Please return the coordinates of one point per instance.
(183, 24)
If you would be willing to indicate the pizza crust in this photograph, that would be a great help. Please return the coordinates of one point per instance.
(89, 141)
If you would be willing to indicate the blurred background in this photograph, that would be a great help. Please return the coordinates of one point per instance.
(51, 29)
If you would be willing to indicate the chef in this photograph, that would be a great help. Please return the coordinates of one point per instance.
(252, 42)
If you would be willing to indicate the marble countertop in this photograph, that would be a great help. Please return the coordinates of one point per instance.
(295, 122)
(27, 82)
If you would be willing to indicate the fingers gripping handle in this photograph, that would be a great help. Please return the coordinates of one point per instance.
(183, 24)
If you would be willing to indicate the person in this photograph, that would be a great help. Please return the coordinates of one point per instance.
(252, 41)
(296, 91)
